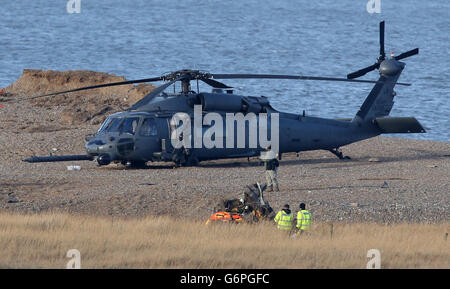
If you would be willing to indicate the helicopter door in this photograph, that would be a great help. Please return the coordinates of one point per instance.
(173, 125)
(147, 139)
(127, 131)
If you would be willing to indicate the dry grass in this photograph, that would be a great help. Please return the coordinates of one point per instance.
(42, 241)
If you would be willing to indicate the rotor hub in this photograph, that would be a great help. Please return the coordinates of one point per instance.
(390, 67)
(187, 74)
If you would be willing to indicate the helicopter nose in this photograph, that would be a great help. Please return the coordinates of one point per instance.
(93, 146)
(98, 147)
(103, 150)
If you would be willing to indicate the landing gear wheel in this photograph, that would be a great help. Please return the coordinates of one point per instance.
(339, 154)
(192, 161)
(182, 159)
(179, 159)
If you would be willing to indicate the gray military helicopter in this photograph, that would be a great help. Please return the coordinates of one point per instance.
(144, 132)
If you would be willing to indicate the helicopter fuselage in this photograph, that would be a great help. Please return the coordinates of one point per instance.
(141, 136)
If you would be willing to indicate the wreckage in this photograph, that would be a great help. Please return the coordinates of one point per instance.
(251, 207)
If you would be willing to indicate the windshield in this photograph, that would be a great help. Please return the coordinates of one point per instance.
(105, 124)
(113, 125)
(110, 124)
(120, 124)
(129, 125)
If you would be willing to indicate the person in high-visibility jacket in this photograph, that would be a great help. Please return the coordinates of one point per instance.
(303, 219)
(284, 218)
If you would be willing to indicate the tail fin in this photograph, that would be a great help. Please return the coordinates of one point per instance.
(380, 100)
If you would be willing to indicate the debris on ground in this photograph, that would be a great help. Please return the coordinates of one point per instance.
(250, 207)
(12, 201)
(351, 205)
(73, 168)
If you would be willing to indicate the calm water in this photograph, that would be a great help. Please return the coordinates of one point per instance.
(140, 39)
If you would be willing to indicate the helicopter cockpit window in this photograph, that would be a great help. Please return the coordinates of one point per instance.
(129, 125)
(105, 125)
(113, 125)
(148, 127)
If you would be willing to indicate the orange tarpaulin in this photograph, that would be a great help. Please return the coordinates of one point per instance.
(225, 217)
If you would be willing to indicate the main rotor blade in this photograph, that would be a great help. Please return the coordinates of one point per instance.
(363, 71)
(101, 85)
(407, 54)
(215, 83)
(278, 76)
(154, 93)
(382, 53)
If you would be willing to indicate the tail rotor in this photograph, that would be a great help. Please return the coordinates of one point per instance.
(382, 57)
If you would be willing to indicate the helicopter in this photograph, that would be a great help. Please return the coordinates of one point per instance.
(146, 131)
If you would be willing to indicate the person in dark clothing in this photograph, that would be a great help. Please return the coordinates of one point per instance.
(271, 165)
